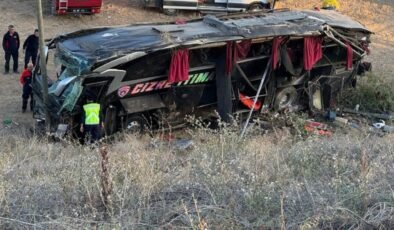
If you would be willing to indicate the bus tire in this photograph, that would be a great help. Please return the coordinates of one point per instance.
(254, 7)
(134, 124)
(285, 98)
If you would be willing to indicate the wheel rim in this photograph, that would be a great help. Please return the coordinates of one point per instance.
(134, 127)
(255, 8)
(284, 100)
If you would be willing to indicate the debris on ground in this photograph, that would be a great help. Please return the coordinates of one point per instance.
(354, 125)
(318, 128)
(176, 144)
(331, 115)
(388, 129)
(379, 124)
(8, 123)
(183, 144)
(371, 115)
(61, 131)
(382, 126)
(341, 121)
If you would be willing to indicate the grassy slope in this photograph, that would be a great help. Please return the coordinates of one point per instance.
(262, 182)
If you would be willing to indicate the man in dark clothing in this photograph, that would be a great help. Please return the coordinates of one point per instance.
(25, 80)
(30, 47)
(11, 45)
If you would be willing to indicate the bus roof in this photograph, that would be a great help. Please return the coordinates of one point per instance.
(100, 44)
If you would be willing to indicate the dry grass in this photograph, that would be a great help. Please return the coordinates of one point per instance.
(221, 183)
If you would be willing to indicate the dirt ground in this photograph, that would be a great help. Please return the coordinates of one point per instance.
(376, 15)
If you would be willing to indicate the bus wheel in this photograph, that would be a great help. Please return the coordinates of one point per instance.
(255, 7)
(170, 12)
(110, 121)
(285, 98)
(134, 124)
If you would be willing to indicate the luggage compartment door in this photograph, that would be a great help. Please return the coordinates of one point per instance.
(212, 5)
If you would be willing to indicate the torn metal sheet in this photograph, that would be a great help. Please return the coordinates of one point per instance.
(334, 19)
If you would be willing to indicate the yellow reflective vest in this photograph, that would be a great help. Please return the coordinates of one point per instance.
(92, 114)
(330, 3)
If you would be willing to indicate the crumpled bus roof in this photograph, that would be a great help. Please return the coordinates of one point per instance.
(99, 44)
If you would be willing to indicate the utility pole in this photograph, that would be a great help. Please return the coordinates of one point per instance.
(43, 65)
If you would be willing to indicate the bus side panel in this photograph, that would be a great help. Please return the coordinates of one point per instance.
(180, 4)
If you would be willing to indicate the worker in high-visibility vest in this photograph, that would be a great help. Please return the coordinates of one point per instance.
(330, 4)
(91, 120)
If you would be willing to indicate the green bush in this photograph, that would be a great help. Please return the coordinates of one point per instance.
(373, 94)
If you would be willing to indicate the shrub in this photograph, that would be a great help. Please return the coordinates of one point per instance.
(372, 93)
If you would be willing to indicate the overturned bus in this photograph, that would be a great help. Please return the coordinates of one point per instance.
(156, 74)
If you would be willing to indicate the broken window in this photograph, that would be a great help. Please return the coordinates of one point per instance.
(151, 65)
(71, 96)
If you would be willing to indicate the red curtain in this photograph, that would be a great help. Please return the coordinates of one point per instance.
(236, 51)
(179, 67)
(229, 57)
(242, 49)
(349, 63)
(275, 51)
(312, 51)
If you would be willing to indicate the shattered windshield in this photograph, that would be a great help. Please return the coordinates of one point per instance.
(66, 91)
(71, 95)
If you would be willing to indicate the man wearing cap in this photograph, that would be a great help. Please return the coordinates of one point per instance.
(30, 47)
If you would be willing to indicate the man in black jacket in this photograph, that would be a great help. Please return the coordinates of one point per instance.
(30, 47)
(11, 45)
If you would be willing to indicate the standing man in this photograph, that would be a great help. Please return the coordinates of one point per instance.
(91, 120)
(30, 47)
(11, 45)
(25, 80)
